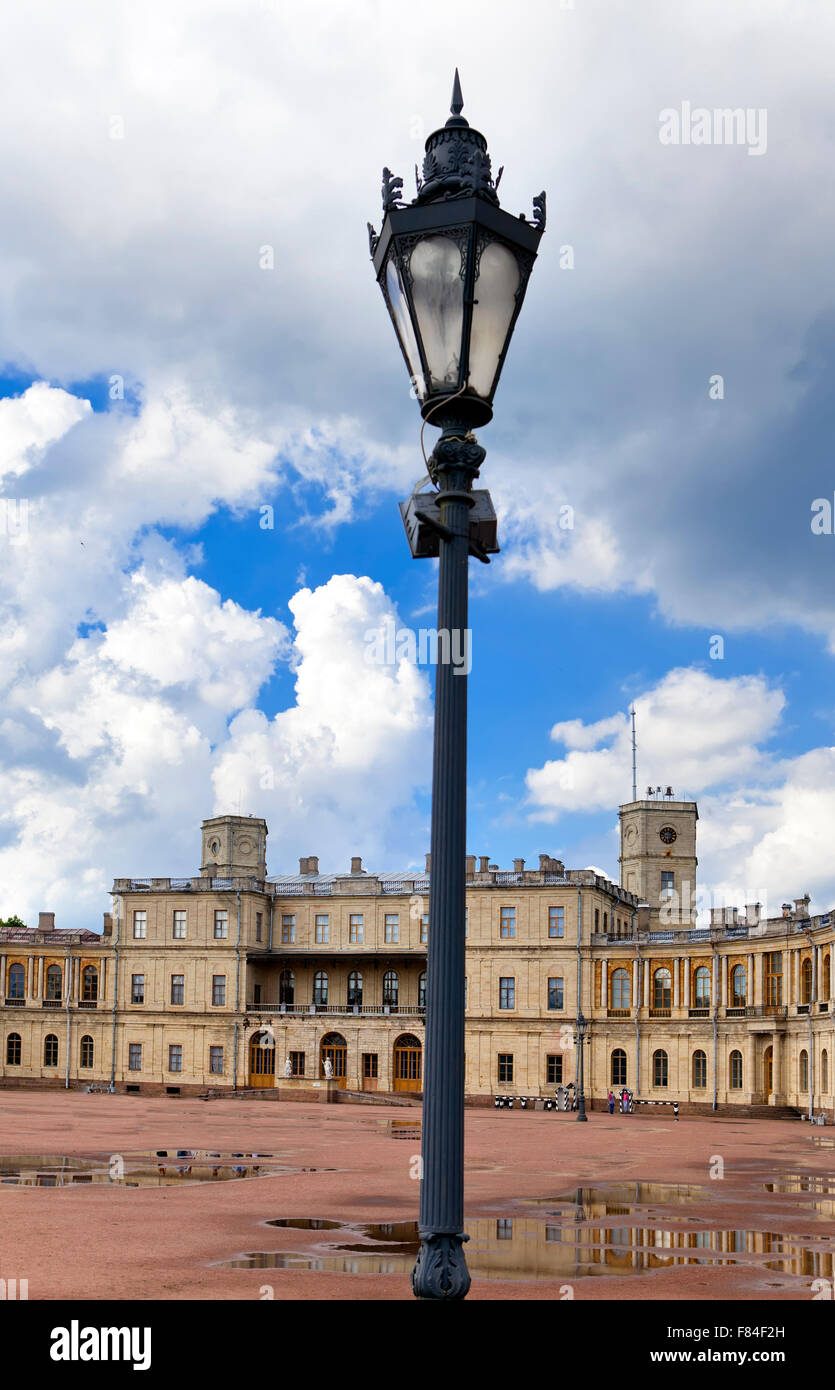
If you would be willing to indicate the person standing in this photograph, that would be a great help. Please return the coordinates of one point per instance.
(611, 1103)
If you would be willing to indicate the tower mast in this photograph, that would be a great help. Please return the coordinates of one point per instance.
(634, 761)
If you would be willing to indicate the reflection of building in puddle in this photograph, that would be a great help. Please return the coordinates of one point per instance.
(165, 1169)
(816, 1185)
(515, 1248)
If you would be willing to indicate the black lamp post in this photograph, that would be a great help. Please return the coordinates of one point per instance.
(582, 1025)
(453, 268)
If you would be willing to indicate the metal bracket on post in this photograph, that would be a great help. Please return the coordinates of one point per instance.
(422, 523)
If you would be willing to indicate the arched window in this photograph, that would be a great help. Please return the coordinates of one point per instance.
(422, 990)
(824, 1070)
(320, 987)
(334, 1049)
(618, 1067)
(806, 982)
(13, 1050)
(50, 1050)
(621, 989)
(86, 1051)
(660, 1067)
(826, 989)
(17, 981)
(391, 988)
(739, 992)
(53, 982)
(661, 989)
(699, 1070)
(701, 988)
(355, 988)
(287, 987)
(90, 984)
(804, 1070)
(735, 1076)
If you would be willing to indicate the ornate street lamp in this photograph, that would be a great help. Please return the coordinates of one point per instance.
(582, 1025)
(453, 268)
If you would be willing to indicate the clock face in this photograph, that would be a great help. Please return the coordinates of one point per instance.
(668, 835)
(631, 834)
(214, 847)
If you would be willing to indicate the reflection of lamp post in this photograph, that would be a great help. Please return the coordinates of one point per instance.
(453, 268)
(582, 1025)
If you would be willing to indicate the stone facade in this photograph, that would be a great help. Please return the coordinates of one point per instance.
(225, 980)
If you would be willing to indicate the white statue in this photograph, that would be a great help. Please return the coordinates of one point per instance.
(328, 1068)
(288, 1068)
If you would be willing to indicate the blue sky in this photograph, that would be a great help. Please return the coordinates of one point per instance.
(164, 657)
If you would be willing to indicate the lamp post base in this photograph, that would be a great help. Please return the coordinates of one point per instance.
(440, 1269)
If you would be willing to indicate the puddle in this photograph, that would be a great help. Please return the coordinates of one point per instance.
(160, 1168)
(821, 1142)
(621, 1199)
(516, 1248)
(802, 1182)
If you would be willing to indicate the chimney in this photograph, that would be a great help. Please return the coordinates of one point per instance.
(428, 863)
(786, 909)
(46, 921)
(303, 869)
(752, 914)
(731, 916)
(356, 865)
(801, 906)
(107, 929)
(544, 862)
(717, 916)
(470, 865)
(518, 866)
(313, 864)
(483, 861)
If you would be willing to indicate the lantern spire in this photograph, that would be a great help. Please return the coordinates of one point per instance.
(457, 103)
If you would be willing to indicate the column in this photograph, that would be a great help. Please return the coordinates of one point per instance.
(749, 984)
(604, 984)
(3, 976)
(777, 1068)
(724, 965)
(39, 989)
(687, 995)
(676, 978)
(635, 996)
(757, 978)
(30, 973)
(646, 966)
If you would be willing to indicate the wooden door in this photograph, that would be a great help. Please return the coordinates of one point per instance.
(408, 1064)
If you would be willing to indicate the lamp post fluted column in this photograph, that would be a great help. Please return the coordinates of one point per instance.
(441, 1269)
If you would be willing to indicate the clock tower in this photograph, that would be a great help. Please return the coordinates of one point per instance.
(234, 847)
(658, 856)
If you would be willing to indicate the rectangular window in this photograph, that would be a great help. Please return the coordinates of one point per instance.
(140, 926)
(218, 989)
(259, 925)
(774, 978)
(355, 927)
(392, 934)
(179, 931)
(555, 992)
(507, 992)
(556, 921)
(508, 922)
(178, 987)
(323, 928)
(668, 883)
(553, 1064)
(369, 1064)
(297, 1064)
(505, 1068)
(175, 1057)
(137, 989)
(597, 919)
(216, 1060)
(256, 997)
(221, 925)
(135, 1057)
(288, 929)
(424, 928)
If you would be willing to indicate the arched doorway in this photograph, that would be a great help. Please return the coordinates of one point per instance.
(768, 1071)
(334, 1049)
(262, 1060)
(408, 1063)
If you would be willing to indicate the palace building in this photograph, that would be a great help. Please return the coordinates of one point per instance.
(315, 983)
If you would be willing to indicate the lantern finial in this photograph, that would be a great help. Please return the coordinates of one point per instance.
(457, 103)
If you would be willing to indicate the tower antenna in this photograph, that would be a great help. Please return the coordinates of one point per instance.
(634, 759)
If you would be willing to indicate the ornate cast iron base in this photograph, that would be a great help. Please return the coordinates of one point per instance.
(440, 1269)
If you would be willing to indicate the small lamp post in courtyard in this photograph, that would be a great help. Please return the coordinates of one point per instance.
(453, 268)
(582, 1038)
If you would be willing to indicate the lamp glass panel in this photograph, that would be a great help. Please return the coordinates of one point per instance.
(495, 303)
(438, 297)
(403, 325)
